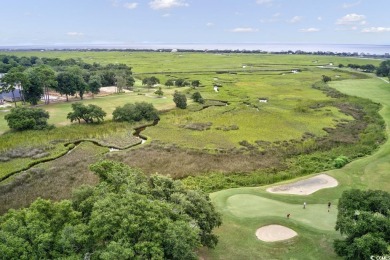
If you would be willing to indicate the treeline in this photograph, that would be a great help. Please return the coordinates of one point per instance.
(382, 71)
(23, 118)
(258, 51)
(34, 77)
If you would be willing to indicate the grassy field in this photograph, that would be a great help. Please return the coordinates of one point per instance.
(246, 209)
(179, 145)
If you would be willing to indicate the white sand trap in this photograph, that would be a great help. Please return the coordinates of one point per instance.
(306, 187)
(272, 233)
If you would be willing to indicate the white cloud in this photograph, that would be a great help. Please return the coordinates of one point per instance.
(352, 19)
(163, 4)
(244, 30)
(376, 30)
(349, 5)
(264, 2)
(166, 15)
(209, 24)
(295, 19)
(309, 30)
(319, 18)
(130, 5)
(74, 34)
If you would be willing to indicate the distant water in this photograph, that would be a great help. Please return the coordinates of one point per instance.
(272, 47)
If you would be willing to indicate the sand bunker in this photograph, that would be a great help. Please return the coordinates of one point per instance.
(272, 233)
(306, 187)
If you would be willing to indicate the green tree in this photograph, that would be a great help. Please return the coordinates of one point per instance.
(41, 78)
(197, 97)
(135, 112)
(128, 215)
(90, 113)
(66, 84)
(195, 83)
(23, 118)
(364, 219)
(11, 79)
(169, 83)
(326, 78)
(180, 100)
(159, 92)
(45, 230)
(94, 84)
(384, 69)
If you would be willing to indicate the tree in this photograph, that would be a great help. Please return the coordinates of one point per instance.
(384, 69)
(90, 113)
(23, 118)
(40, 80)
(326, 79)
(159, 92)
(66, 84)
(364, 219)
(11, 79)
(135, 112)
(180, 100)
(128, 215)
(195, 83)
(94, 84)
(151, 81)
(169, 83)
(79, 77)
(197, 97)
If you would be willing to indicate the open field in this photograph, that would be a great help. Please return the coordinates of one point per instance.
(299, 131)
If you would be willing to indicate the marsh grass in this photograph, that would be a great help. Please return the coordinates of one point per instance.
(51, 180)
(54, 143)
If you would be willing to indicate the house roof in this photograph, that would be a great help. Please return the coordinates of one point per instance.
(17, 94)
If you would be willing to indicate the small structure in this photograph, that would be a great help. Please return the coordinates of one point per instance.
(8, 96)
(216, 88)
(263, 100)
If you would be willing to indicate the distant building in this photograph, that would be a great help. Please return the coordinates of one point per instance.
(9, 97)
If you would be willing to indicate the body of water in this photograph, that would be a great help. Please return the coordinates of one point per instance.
(269, 47)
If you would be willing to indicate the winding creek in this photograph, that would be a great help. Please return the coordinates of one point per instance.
(74, 144)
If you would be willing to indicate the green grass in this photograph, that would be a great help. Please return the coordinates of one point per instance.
(286, 116)
(246, 209)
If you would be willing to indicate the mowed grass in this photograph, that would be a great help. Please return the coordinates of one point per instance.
(246, 209)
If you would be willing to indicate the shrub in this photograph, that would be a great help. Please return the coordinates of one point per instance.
(180, 100)
(340, 161)
(22, 118)
(197, 97)
(135, 112)
(89, 114)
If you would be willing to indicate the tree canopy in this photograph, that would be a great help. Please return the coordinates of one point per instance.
(23, 118)
(364, 218)
(90, 114)
(135, 112)
(126, 216)
(180, 100)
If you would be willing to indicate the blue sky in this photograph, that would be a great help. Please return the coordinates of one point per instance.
(121, 22)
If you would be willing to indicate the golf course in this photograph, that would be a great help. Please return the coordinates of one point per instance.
(265, 144)
(247, 209)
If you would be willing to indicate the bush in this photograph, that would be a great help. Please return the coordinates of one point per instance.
(22, 118)
(197, 97)
(180, 100)
(135, 112)
(89, 114)
(340, 161)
